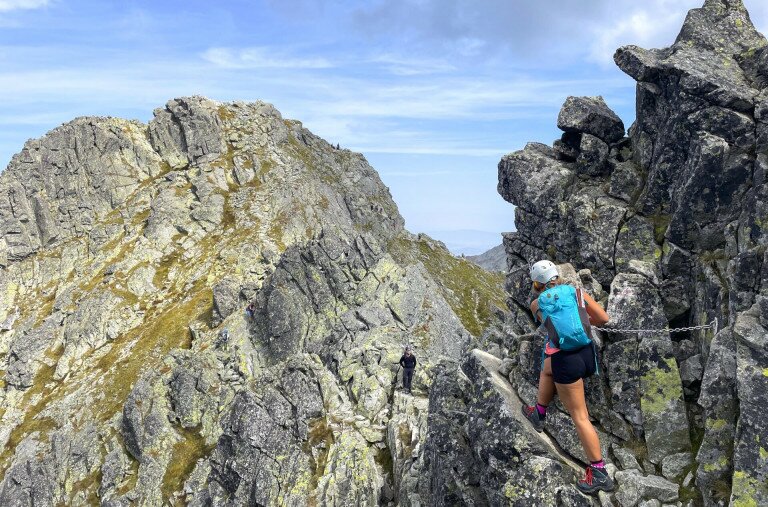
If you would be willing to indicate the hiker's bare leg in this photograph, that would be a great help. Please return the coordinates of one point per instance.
(572, 396)
(546, 384)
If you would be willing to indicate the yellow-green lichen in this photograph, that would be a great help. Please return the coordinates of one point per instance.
(715, 424)
(747, 490)
(513, 491)
(722, 463)
(660, 386)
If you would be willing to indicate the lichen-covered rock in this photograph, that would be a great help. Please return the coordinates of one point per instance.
(593, 156)
(673, 221)
(188, 130)
(674, 466)
(26, 351)
(226, 295)
(568, 146)
(533, 178)
(750, 459)
(633, 487)
(625, 458)
(661, 401)
(58, 186)
(626, 181)
(475, 427)
(28, 481)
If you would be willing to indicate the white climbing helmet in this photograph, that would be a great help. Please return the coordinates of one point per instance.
(544, 271)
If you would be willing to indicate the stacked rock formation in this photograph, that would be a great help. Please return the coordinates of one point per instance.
(666, 226)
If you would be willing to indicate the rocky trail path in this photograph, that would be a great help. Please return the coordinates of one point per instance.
(514, 403)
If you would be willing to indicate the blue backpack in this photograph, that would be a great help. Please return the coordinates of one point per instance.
(565, 317)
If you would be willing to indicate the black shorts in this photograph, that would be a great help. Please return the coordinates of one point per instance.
(568, 366)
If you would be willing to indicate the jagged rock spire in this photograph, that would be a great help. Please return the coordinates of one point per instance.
(721, 26)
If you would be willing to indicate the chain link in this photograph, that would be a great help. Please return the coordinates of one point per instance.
(712, 325)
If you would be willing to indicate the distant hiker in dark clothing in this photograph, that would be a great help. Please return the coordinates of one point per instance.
(408, 362)
(223, 339)
(250, 310)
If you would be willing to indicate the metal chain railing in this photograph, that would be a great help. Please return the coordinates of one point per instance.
(712, 325)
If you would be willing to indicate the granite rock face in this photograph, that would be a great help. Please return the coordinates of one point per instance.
(670, 222)
(132, 373)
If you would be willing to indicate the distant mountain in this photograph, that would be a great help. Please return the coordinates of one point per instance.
(466, 241)
(494, 259)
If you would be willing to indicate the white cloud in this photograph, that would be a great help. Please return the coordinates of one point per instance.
(410, 66)
(261, 57)
(548, 34)
(456, 98)
(12, 5)
(651, 24)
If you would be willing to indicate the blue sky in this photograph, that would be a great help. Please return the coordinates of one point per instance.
(432, 92)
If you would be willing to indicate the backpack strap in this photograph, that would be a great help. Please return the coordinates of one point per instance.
(580, 298)
(583, 315)
(552, 335)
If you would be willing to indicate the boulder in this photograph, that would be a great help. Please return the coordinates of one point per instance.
(225, 300)
(634, 487)
(592, 159)
(625, 458)
(590, 115)
(675, 466)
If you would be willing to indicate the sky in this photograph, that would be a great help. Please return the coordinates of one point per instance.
(432, 92)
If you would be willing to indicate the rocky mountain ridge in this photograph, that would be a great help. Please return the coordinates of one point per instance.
(494, 259)
(131, 374)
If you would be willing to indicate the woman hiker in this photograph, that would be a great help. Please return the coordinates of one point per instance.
(569, 356)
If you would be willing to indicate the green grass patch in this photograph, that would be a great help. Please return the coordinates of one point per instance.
(150, 343)
(227, 159)
(190, 448)
(319, 436)
(43, 386)
(225, 114)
